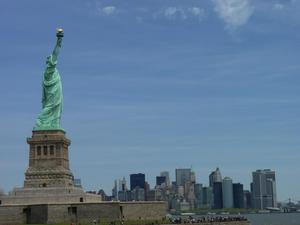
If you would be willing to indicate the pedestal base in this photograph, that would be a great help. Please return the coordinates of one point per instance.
(57, 195)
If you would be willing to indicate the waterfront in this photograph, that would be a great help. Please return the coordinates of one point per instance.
(260, 219)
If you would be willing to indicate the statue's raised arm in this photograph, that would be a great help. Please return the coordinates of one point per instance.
(59, 35)
(52, 98)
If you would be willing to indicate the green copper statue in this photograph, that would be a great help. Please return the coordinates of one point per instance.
(52, 101)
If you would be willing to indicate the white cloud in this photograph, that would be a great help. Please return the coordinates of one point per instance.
(182, 13)
(197, 12)
(173, 12)
(278, 6)
(109, 10)
(235, 13)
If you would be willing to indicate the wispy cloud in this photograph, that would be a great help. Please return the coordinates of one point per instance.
(235, 13)
(182, 13)
(173, 12)
(278, 6)
(197, 12)
(107, 10)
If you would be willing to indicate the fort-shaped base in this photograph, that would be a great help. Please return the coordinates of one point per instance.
(54, 195)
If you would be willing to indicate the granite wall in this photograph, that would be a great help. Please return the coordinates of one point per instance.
(13, 215)
(81, 212)
(143, 210)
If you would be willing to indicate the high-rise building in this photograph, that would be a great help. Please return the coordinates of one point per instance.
(182, 176)
(206, 197)
(215, 176)
(137, 180)
(193, 177)
(247, 199)
(122, 196)
(227, 193)
(166, 174)
(264, 189)
(122, 184)
(238, 195)
(198, 195)
(218, 195)
(138, 194)
(77, 182)
(271, 186)
(160, 180)
(190, 194)
(180, 191)
(115, 190)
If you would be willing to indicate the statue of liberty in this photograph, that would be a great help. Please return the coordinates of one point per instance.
(52, 100)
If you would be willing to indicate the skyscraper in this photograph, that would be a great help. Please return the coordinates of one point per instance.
(115, 190)
(238, 195)
(215, 176)
(166, 174)
(205, 197)
(122, 184)
(183, 176)
(271, 186)
(193, 177)
(218, 195)
(247, 199)
(160, 180)
(137, 180)
(227, 193)
(264, 189)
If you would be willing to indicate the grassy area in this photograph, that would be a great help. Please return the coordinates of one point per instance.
(126, 222)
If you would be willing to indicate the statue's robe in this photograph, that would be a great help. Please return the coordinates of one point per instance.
(49, 118)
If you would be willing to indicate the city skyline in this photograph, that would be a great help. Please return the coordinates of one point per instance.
(166, 85)
(206, 183)
(186, 193)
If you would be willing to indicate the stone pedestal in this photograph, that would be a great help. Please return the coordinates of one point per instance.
(48, 179)
(48, 160)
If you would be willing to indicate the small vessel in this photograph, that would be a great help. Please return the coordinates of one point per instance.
(264, 211)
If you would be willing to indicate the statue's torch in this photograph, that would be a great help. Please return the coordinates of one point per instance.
(59, 32)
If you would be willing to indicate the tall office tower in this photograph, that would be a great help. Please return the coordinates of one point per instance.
(227, 193)
(271, 186)
(137, 180)
(238, 195)
(198, 195)
(206, 197)
(138, 194)
(115, 190)
(190, 195)
(182, 176)
(215, 176)
(166, 174)
(160, 180)
(122, 184)
(264, 189)
(180, 191)
(247, 199)
(218, 195)
(193, 177)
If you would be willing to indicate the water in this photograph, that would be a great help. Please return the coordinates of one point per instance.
(268, 218)
(274, 219)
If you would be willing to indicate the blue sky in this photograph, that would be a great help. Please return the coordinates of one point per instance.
(153, 85)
